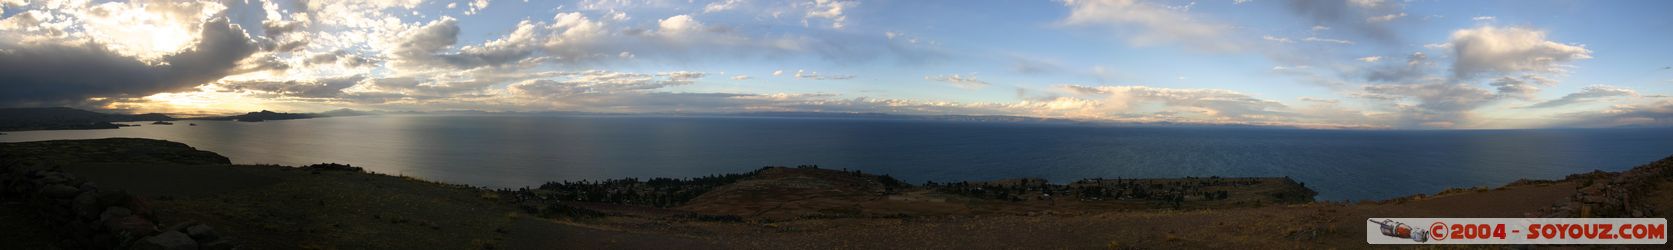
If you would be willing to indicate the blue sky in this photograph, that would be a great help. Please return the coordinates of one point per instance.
(1302, 63)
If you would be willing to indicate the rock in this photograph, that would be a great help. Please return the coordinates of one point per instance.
(87, 204)
(202, 232)
(89, 186)
(181, 227)
(222, 244)
(1593, 190)
(118, 197)
(80, 227)
(115, 212)
(131, 225)
(104, 241)
(60, 191)
(170, 240)
(53, 178)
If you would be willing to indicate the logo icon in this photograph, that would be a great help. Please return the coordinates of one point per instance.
(1395, 229)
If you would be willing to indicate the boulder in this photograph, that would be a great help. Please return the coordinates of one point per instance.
(222, 244)
(53, 178)
(87, 204)
(60, 191)
(132, 225)
(170, 240)
(107, 199)
(114, 212)
(202, 232)
(181, 226)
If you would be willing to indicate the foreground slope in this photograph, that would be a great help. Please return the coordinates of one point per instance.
(337, 206)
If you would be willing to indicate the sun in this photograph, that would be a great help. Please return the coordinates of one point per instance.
(147, 30)
(193, 102)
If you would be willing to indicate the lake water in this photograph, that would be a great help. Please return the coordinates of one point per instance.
(516, 151)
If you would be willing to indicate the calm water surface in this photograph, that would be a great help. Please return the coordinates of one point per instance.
(516, 151)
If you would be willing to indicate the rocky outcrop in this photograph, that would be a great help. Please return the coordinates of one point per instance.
(89, 217)
(1606, 195)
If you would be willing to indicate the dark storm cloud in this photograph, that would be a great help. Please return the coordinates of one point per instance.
(69, 74)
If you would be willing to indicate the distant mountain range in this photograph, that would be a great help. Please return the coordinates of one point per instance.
(61, 118)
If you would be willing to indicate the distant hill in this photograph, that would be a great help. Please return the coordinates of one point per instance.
(261, 116)
(270, 115)
(56, 118)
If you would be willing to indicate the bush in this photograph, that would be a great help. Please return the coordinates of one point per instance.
(333, 167)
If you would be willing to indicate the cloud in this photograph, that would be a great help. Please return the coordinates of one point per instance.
(1370, 59)
(809, 75)
(420, 47)
(1414, 68)
(1151, 24)
(1029, 65)
(1438, 105)
(1657, 114)
(1211, 103)
(313, 88)
(1524, 88)
(679, 25)
(602, 82)
(341, 57)
(967, 82)
(1327, 40)
(428, 47)
(1588, 94)
(476, 6)
(831, 10)
(1367, 18)
(741, 77)
(1490, 49)
(722, 5)
(1385, 18)
(70, 73)
(1277, 39)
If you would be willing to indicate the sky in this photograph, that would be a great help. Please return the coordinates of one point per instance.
(1399, 64)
